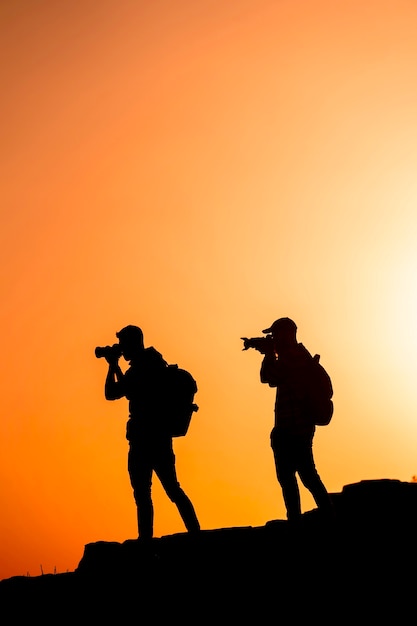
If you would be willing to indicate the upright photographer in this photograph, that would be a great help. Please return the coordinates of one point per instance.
(286, 365)
(150, 441)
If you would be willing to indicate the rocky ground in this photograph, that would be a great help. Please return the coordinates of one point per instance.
(359, 568)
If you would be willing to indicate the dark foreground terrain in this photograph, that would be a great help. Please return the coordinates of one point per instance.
(361, 568)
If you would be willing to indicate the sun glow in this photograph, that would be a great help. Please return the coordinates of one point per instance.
(200, 169)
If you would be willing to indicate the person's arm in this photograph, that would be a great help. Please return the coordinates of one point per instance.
(113, 387)
(270, 370)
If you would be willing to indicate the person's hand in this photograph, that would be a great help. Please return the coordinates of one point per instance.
(112, 356)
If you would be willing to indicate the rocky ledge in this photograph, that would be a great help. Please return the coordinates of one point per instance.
(359, 566)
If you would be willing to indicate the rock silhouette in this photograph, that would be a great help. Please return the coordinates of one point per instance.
(361, 568)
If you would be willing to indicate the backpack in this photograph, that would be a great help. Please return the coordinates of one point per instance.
(319, 393)
(179, 388)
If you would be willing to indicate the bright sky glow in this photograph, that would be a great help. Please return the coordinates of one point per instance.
(200, 169)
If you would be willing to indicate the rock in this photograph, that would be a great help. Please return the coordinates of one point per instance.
(357, 566)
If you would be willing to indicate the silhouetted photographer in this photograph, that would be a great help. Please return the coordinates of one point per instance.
(148, 432)
(303, 399)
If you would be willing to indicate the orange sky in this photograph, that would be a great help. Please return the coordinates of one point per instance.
(200, 169)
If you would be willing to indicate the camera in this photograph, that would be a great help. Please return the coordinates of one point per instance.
(263, 345)
(108, 352)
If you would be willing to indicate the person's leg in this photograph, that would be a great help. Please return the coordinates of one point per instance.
(309, 475)
(285, 470)
(140, 472)
(165, 470)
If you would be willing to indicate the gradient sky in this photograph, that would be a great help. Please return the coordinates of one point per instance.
(200, 169)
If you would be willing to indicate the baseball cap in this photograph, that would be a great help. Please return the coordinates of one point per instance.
(283, 324)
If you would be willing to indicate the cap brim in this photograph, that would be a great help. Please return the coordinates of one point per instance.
(267, 330)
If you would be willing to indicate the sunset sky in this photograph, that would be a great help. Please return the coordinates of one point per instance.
(200, 168)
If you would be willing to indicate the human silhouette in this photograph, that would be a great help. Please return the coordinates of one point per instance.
(150, 443)
(285, 366)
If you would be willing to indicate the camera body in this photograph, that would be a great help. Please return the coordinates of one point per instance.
(110, 352)
(264, 345)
